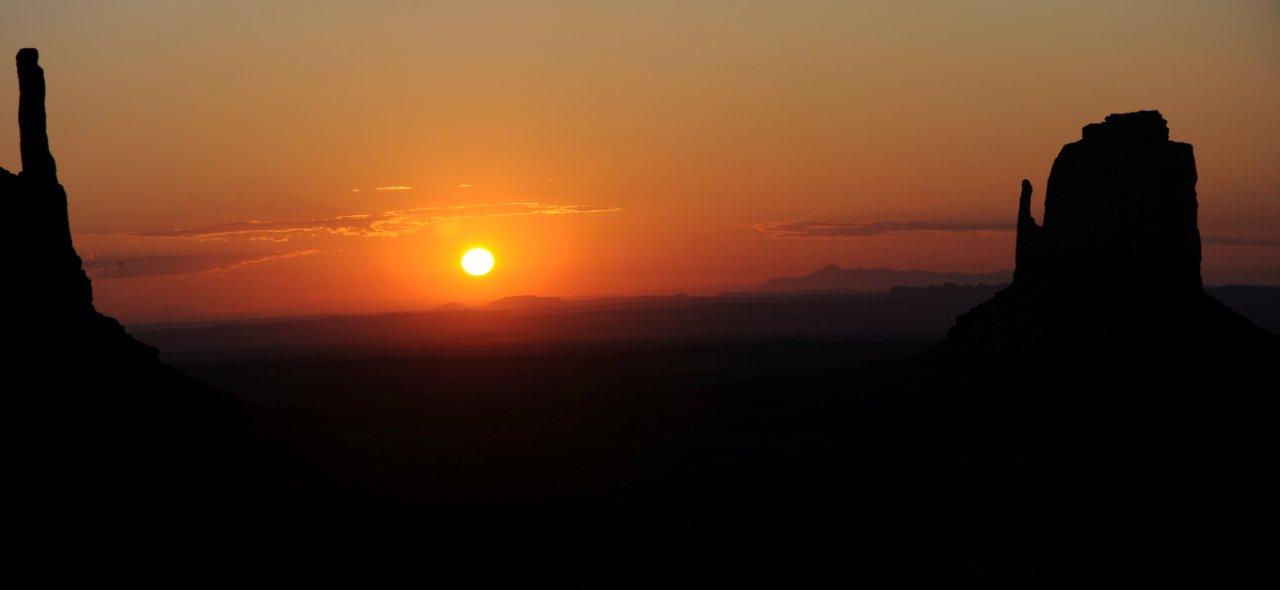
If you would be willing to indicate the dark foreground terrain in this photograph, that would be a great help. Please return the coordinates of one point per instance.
(706, 462)
(755, 462)
(460, 454)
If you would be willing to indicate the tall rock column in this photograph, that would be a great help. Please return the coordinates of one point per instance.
(52, 287)
(1028, 238)
(37, 160)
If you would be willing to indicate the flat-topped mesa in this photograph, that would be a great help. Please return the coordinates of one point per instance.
(1139, 126)
(1120, 205)
(1114, 270)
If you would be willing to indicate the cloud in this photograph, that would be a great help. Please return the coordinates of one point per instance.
(835, 230)
(1238, 241)
(365, 225)
(827, 230)
(110, 267)
(398, 187)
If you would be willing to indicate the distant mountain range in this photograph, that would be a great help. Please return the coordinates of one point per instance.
(834, 277)
(524, 302)
(916, 314)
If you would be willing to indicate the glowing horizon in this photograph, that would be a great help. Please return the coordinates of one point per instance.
(243, 159)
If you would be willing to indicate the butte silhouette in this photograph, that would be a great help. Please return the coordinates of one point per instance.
(1126, 406)
(1114, 266)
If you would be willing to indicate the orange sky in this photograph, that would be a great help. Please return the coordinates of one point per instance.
(607, 148)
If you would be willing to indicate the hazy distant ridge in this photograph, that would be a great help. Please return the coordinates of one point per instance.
(834, 277)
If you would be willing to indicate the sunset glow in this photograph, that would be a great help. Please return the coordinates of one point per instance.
(341, 153)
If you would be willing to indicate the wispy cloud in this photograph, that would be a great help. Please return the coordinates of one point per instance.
(129, 267)
(827, 230)
(397, 187)
(1238, 241)
(386, 224)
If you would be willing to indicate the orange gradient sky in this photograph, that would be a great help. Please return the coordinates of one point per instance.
(226, 157)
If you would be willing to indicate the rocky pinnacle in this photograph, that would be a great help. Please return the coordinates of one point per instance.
(55, 287)
(37, 160)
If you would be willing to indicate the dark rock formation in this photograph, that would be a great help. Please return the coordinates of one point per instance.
(1116, 261)
(118, 451)
(1121, 202)
(1122, 412)
(55, 295)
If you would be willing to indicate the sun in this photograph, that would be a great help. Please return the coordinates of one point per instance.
(477, 262)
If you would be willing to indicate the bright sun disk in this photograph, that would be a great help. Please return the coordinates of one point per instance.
(477, 262)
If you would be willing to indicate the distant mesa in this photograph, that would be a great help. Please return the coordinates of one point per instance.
(836, 278)
(521, 302)
(450, 306)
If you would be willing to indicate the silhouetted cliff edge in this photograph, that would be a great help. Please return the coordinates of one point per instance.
(114, 452)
